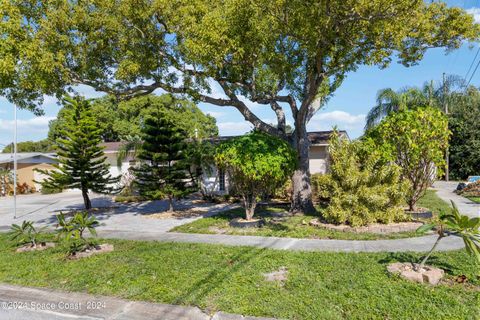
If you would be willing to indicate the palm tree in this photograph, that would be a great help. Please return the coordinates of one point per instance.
(430, 94)
(129, 149)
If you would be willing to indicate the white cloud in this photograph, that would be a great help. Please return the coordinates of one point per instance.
(28, 129)
(343, 120)
(234, 128)
(475, 12)
(340, 117)
(215, 114)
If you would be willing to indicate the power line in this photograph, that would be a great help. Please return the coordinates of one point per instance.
(473, 73)
(471, 65)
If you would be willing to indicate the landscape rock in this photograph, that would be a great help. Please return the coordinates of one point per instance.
(427, 274)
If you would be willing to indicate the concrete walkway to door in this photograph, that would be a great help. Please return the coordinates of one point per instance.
(445, 190)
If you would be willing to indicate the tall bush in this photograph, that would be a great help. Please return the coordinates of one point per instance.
(361, 188)
(415, 139)
(256, 162)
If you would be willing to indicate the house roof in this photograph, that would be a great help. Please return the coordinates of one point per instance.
(111, 146)
(323, 137)
(28, 157)
(315, 137)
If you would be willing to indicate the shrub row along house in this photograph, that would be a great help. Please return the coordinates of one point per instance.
(215, 181)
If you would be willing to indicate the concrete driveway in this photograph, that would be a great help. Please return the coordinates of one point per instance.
(42, 210)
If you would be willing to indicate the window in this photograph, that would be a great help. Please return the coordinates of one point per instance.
(221, 179)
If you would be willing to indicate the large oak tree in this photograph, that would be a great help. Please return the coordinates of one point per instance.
(283, 54)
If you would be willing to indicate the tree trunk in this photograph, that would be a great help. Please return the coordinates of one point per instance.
(422, 264)
(250, 202)
(302, 191)
(86, 199)
(170, 204)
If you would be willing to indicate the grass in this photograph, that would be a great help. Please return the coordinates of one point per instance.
(474, 199)
(296, 226)
(431, 201)
(290, 227)
(230, 279)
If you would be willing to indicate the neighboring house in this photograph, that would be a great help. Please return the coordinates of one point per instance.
(111, 152)
(26, 165)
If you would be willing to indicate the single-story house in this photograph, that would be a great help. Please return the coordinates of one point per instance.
(26, 165)
(214, 181)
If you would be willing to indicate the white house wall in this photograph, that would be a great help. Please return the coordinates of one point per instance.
(318, 159)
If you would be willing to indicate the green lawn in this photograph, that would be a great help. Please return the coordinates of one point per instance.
(319, 285)
(296, 226)
(474, 199)
(431, 201)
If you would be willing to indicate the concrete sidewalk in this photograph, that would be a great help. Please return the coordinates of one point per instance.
(417, 244)
(465, 206)
(42, 304)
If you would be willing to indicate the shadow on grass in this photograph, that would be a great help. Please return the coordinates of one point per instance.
(202, 288)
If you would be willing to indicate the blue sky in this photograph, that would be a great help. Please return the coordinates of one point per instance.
(347, 109)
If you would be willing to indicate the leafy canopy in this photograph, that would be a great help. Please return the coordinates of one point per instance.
(259, 49)
(464, 122)
(415, 139)
(256, 162)
(121, 120)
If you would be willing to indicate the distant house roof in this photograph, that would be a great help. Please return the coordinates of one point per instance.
(323, 137)
(111, 147)
(28, 157)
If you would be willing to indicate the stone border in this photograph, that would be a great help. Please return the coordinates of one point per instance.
(376, 228)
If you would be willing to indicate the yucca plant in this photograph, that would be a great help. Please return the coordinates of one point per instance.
(72, 230)
(25, 233)
(455, 224)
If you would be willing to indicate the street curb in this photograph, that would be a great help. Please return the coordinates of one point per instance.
(76, 305)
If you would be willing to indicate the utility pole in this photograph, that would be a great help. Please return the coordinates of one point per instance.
(15, 164)
(445, 109)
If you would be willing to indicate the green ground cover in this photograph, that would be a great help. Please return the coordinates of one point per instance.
(474, 199)
(296, 226)
(319, 285)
